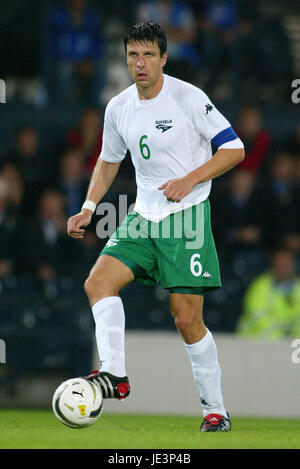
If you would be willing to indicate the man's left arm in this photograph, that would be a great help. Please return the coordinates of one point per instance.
(223, 160)
(214, 127)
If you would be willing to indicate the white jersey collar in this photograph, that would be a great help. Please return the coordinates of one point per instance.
(148, 102)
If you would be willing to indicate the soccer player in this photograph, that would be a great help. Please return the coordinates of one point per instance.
(168, 126)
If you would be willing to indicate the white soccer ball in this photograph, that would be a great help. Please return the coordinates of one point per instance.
(77, 403)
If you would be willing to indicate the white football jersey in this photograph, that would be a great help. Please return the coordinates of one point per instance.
(168, 137)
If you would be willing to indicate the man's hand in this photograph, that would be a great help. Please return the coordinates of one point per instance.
(176, 189)
(77, 222)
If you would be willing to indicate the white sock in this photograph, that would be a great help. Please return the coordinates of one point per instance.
(110, 334)
(207, 374)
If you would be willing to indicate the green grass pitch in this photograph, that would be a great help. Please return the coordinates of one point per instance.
(33, 429)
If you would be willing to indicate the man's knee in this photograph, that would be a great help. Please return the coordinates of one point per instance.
(187, 312)
(98, 286)
(89, 285)
(185, 322)
(107, 278)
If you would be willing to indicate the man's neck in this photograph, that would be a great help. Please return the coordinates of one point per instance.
(152, 91)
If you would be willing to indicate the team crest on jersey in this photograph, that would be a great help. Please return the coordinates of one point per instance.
(163, 125)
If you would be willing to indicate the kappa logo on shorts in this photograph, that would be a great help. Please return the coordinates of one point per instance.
(163, 125)
(207, 275)
(112, 242)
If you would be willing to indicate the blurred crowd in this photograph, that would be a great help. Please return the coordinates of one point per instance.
(224, 47)
(38, 193)
(72, 47)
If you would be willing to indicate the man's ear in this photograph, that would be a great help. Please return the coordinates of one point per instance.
(164, 59)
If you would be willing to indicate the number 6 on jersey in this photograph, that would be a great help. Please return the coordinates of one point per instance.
(144, 149)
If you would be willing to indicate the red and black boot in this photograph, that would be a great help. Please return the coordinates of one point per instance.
(110, 385)
(216, 423)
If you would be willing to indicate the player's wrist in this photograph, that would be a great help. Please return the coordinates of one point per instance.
(86, 211)
(194, 178)
(89, 205)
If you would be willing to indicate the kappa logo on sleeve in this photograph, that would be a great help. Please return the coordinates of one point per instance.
(164, 125)
(208, 108)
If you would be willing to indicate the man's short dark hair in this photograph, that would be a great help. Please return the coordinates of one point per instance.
(147, 32)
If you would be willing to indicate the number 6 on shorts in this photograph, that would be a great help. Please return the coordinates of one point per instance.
(195, 265)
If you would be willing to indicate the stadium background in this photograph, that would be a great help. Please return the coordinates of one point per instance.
(50, 132)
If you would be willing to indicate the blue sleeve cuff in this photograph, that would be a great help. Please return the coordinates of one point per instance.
(225, 136)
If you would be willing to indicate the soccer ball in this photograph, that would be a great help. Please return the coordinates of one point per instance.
(77, 403)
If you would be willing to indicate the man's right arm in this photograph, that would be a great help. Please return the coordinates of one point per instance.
(102, 178)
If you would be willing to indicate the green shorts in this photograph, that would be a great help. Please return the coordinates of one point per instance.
(179, 251)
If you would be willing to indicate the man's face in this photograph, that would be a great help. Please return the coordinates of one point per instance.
(145, 63)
